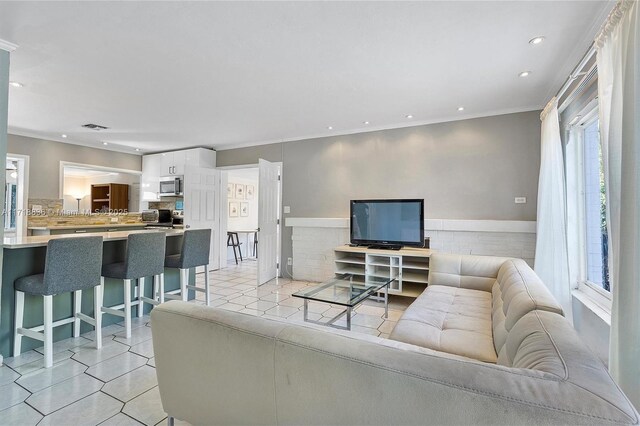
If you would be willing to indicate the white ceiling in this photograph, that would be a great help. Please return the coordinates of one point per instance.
(166, 75)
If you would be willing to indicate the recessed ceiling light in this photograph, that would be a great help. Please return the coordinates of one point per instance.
(409, 116)
(64, 136)
(524, 74)
(460, 108)
(536, 40)
(330, 127)
(15, 84)
(138, 149)
(365, 122)
(105, 143)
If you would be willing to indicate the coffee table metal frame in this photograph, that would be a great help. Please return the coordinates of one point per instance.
(348, 306)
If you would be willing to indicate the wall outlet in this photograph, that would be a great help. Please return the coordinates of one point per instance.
(287, 209)
(114, 220)
(36, 207)
(289, 261)
(521, 200)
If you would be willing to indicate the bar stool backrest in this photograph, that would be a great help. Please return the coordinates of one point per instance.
(72, 264)
(196, 245)
(145, 254)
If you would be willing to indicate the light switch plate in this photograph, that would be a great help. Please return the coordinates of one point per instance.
(287, 209)
(36, 207)
(521, 200)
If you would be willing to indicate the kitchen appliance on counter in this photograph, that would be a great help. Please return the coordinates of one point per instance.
(178, 218)
(171, 186)
(150, 216)
(163, 218)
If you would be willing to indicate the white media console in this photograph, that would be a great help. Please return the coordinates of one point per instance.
(409, 266)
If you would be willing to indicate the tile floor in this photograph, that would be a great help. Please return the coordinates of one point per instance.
(117, 384)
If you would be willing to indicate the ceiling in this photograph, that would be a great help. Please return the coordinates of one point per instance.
(167, 75)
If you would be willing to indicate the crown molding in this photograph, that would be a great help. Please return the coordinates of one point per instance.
(7, 45)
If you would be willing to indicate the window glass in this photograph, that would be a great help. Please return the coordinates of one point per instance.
(595, 209)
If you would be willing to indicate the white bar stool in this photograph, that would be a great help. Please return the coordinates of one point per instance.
(144, 257)
(196, 246)
(71, 265)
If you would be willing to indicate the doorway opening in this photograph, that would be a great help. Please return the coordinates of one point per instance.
(250, 217)
(16, 195)
(79, 183)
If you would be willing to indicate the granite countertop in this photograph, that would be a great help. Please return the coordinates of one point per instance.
(42, 240)
(80, 226)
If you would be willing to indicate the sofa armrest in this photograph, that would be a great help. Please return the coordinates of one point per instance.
(464, 271)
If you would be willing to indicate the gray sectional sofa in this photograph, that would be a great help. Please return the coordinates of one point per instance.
(484, 344)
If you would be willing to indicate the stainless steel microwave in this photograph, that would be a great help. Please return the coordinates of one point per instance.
(171, 186)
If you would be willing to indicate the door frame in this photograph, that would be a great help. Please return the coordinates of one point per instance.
(224, 206)
(22, 193)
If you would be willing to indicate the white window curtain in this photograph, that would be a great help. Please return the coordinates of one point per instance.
(618, 58)
(552, 264)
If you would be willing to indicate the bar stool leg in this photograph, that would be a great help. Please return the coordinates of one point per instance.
(48, 331)
(127, 308)
(161, 287)
(97, 312)
(77, 308)
(140, 295)
(184, 277)
(155, 295)
(207, 296)
(19, 316)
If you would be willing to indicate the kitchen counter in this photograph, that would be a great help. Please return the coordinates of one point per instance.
(80, 226)
(26, 256)
(42, 240)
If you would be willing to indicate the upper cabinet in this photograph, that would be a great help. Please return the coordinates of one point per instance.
(173, 163)
(155, 166)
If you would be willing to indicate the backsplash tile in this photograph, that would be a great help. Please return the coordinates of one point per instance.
(51, 213)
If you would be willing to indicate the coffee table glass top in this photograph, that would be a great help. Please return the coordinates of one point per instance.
(345, 290)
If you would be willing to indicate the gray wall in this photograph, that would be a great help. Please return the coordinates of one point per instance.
(468, 169)
(45, 157)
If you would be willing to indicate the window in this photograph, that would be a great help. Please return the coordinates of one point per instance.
(595, 201)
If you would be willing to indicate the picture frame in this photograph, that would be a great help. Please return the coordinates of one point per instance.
(231, 190)
(244, 209)
(249, 191)
(239, 191)
(234, 208)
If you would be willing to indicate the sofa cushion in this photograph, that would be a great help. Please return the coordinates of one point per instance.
(516, 292)
(449, 319)
(472, 272)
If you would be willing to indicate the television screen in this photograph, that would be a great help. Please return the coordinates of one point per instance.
(387, 222)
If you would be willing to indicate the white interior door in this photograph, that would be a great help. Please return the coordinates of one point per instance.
(268, 220)
(201, 211)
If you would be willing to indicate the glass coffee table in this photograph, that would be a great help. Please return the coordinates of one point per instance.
(345, 290)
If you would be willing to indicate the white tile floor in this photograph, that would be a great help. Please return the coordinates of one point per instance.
(117, 385)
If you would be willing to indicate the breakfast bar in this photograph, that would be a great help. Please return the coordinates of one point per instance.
(24, 256)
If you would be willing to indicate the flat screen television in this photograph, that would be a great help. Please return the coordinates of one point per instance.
(387, 223)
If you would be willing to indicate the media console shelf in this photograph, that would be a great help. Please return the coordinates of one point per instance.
(410, 267)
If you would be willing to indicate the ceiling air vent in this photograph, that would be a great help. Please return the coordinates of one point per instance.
(94, 126)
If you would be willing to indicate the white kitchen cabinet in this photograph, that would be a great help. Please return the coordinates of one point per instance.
(168, 164)
(200, 157)
(151, 172)
(155, 166)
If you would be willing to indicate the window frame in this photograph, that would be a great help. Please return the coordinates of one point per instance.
(592, 290)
